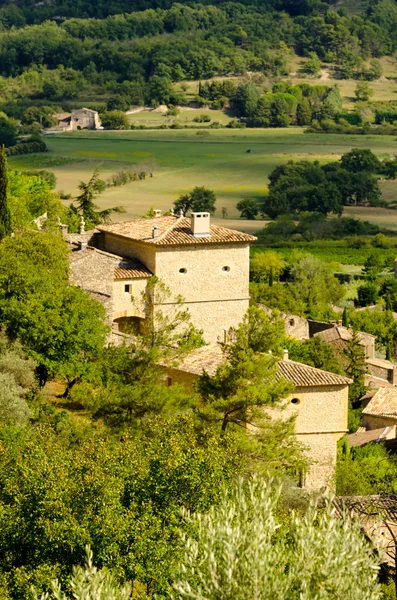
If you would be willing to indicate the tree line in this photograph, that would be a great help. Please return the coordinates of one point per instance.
(180, 42)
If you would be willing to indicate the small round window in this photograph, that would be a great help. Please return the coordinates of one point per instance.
(295, 401)
(183, 270)
(225, 268)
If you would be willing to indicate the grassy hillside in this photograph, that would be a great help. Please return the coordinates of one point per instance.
(182, 159)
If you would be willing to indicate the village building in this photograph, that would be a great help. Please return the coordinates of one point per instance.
(319, 402)
(381, 410)
(363, 436)
(295, 326)
(81, 118)
(206, 265)
(338, 336)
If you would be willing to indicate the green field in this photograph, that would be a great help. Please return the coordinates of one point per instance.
(182, 159)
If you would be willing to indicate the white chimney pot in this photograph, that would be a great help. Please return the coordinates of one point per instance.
(200, 224)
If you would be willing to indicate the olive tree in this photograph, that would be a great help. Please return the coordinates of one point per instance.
(243, 551)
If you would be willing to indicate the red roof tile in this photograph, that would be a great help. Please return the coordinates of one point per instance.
(174, 231)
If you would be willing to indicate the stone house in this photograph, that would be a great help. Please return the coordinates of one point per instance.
(295, 326)
(319, 402)
(81, 118)
(206, 265)
(338, 336)
(381, 410)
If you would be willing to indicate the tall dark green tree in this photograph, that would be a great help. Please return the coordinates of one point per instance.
(5, 213)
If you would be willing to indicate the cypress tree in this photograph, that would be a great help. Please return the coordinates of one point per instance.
(345, 318)
(5, 213)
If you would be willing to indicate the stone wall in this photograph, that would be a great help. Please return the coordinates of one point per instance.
(93, 272)
(322, 451)
(145, 253)
(213, 284)
(214, 318)
(129, 304)
(375, 422)
(321, 420)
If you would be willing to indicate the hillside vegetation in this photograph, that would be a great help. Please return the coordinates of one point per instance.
(88, 51)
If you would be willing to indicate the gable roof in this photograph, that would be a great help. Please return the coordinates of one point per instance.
(174, 231)
(337, 333)
(209, 358)
(131, 270)
(123, 268)
(361, 438)
(383, 403)
(305, 376)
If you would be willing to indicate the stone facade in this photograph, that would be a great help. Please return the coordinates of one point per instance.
(295, 326)
(321, 409)
(81, 118)
(321, 420)
(93, 271)
(211, 278)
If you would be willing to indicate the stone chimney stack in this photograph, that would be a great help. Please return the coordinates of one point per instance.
(82, 226)
(285, 355)
(157, 213)
(200, 224)
(155, 231)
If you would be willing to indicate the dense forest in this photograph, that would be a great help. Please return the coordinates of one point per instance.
(62, 51)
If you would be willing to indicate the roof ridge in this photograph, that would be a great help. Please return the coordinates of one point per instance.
(170, 227)
(316, 369)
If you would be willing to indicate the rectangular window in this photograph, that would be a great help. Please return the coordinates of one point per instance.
(127, 288)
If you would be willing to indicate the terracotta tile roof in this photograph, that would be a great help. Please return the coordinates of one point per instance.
(209, 358)
(380, 362)
(360, 438)
(378, 518)
(123, 269)
(174, 231)
(131, 270)
(305, 376)
(383, 403)
(342, 333)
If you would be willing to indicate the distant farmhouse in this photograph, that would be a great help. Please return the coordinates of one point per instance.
(208, 266)
(82, 118)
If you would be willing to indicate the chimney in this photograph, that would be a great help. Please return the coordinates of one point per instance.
(200, 224)
(155, 231)
(285, 355)
(156, 213)
(83, 245)
(82, 225)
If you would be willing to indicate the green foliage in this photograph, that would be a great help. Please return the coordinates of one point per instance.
(354, 355)
(200, 199)
(358, 160)
(305, 186)
(367, 294)
(363, 91)
(314, 285)
(5, 213)
(248, 208)
(121, 496)
(365, 470)
(88, 583)
(132, 377)
(85, 201)
(8, 131)
(313, 65)
(244, 550)
(114, 119)
(61, 326)
(237, 396)
(316, 353)
(266, 265)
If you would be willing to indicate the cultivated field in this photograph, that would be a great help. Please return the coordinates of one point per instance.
(182, 159)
